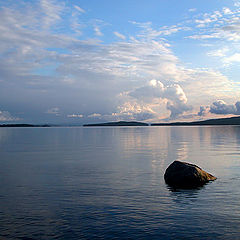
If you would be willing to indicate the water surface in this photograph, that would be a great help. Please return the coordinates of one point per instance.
(107, 183)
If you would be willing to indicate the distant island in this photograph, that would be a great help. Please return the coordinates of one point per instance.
(120, 123)
(24, 125)
(218, 121)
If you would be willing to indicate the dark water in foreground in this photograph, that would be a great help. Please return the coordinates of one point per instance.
(107, 183)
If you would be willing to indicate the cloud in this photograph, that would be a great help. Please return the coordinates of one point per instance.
(75, 116)
(154, 89)
(52, 12)
(119, 35)
(192, 10)
(5, 116)
(87, 74)
(95, 115)
(233, 58)
(174, 94)
(98, 31)
(219, 25)
(219, 52)
(220, 107)
(132, 110)
(227, 11)
(54, 111)
(203, 111)
(150, 33)
(79, 9)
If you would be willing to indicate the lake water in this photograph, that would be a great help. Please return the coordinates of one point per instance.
(107, 183)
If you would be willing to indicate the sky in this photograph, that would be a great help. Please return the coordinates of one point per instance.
(86, 61)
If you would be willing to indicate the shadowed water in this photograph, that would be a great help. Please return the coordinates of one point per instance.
(107, 183)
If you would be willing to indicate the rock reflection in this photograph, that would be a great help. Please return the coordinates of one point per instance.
(184, 196)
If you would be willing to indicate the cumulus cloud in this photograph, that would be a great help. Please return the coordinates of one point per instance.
(174, 94)
(227, 11)
(154, 89)
(220, 107)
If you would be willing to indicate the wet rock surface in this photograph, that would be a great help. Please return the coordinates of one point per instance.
(186, 175)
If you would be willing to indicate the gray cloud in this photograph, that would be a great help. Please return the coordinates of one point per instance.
(203, 111)
(5, 116)
(220, 107)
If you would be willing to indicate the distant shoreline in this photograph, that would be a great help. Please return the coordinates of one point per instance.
(120, 123)
(24, 125)
(209, 122)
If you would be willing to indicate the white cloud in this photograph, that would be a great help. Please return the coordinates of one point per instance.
(174, 94)
(219, 52)
(119, 35)
(237, 4)
(95, 115)
(52, 12)
(75, 116)
(79, 9)
(222, 25)
(149, 33)
(7, 117)
(208, 84)
(227, 11)
(54, 110)
(131, 110)
(98, 31)
(233, 58)
(192, 10)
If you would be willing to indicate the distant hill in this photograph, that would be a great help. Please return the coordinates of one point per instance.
(120, 123)
(219, 121)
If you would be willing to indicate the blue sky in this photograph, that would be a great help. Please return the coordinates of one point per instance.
(95, 61)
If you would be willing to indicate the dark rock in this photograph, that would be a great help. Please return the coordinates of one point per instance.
(186, 175)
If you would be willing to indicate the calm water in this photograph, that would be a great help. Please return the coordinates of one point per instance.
(107, 183)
